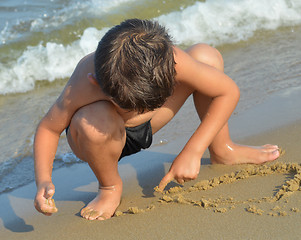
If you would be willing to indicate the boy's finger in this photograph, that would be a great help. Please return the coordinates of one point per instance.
(181, 181)
(49, 192)
(48, 207)
(47, 210)
(165, 180)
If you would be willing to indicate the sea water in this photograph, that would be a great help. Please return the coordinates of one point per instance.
(42, 41)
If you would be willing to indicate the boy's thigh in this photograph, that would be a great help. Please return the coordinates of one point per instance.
(95, 124)
(99, 117)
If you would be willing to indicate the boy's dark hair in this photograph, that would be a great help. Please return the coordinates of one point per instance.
(134, 65)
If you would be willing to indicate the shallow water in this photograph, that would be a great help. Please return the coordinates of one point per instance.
(262, 58)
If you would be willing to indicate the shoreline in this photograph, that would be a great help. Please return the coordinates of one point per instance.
(274, 121)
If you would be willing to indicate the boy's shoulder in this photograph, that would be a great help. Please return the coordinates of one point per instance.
(183, 60)
(81, 89)
(185, 65)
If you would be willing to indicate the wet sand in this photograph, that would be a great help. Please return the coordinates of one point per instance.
(225, 202)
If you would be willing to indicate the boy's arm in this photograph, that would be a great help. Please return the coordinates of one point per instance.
(224, 93)
(45, 146)
(78, 92)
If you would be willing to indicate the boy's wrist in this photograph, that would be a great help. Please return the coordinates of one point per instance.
(190, 156)
(40, 182)
(195, 151)
(42, 174)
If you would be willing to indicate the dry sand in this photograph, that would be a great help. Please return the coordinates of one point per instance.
(225, 202)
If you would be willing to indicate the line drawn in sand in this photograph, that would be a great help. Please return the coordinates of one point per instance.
(223, 204)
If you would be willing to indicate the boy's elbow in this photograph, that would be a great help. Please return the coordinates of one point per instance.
(236, 93)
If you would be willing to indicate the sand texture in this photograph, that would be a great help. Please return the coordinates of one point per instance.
(224, 202)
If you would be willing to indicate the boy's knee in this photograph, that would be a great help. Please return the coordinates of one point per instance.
(207, 54)
(97, 123)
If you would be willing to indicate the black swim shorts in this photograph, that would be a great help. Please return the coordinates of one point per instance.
(137, 138)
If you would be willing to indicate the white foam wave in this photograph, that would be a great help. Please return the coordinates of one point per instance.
(49, 62)
(227, 21)
(50, 15)
(214, 22)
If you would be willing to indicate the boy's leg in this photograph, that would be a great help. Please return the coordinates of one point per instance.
(222, 149)
(97, 135)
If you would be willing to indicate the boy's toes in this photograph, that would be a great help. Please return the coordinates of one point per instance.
(88, 213)
(91, 214)
(84, 211)
(104, 216)
(271, 155)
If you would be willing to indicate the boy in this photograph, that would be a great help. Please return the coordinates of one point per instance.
(127, 90)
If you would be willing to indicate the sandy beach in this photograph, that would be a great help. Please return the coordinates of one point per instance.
(260, 205)
(40, 44)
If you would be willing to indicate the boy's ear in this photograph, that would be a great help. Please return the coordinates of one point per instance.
(92, 79)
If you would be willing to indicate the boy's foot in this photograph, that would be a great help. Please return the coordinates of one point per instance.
(239, 154)
(103, 206)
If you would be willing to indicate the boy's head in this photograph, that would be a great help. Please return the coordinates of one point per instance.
(134, 64)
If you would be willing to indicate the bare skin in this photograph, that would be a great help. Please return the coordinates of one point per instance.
(222, 149)
(97, 128)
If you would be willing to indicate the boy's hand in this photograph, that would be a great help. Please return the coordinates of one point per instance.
(43, 200)
(184, 168)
